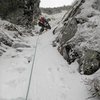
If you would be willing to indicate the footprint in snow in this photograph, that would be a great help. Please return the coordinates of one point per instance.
(20, 70)
(58, 69)
(50, 69)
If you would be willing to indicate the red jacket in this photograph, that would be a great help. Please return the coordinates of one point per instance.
(42, 20)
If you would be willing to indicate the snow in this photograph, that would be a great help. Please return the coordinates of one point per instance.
(52, 78)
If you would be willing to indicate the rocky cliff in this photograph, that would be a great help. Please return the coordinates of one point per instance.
(79, 37)
(19, 11)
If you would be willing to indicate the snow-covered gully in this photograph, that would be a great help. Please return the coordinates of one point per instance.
(52, 77)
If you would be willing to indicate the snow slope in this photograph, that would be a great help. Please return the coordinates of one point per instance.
(52, 78)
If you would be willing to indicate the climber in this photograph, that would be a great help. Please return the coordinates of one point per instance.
(43, 23)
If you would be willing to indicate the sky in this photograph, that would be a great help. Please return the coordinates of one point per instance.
(54, 3)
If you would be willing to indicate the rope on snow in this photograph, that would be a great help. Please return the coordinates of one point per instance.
(30, 78)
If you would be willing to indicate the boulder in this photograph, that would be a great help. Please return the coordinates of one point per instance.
(89, 63)
(69, 53)
(88, 60)
(20, 45)
(5, 40)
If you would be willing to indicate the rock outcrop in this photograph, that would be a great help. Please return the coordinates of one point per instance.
(79, 36)
(19, 11)
(11, 36)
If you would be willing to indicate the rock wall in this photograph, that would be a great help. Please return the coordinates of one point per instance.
(19, 11)
(79, 37)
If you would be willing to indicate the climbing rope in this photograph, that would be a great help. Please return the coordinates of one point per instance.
(26, 98)
(30, 78)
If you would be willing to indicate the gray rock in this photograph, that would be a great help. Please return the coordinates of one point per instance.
(68, 31)
(89, 60)
(5, 40)
(75, 9)
(20, 45)
(81, 20)
(2, 51)
(94, 85)
(20, 11)
(10, 27)
(97, 86)
(69, 53)
(89, 63)
(96, 5)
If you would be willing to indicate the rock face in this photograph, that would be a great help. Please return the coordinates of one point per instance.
(79, 36)
(89, 62)
(19, 11)
(11, 36)
(68, 31)
(5, 39)
(79, 39)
